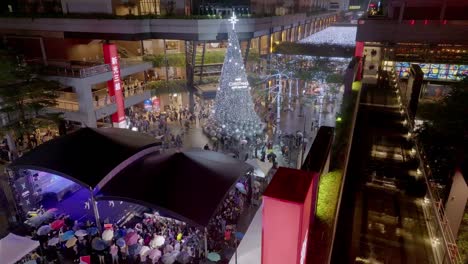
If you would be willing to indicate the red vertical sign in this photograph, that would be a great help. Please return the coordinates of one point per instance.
(358, 52)
(114, 86)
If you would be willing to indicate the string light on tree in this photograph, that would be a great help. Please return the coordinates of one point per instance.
(234, 115)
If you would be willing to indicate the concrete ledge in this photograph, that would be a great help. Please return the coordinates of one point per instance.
(185, 29)
(454, 32)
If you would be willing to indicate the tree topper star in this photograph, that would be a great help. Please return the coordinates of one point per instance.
(233, 20)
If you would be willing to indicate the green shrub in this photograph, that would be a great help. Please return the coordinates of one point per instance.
(178, 59)
(216, 56)
(164, 87)
(173, 59)
(343, 130)
(329, 190)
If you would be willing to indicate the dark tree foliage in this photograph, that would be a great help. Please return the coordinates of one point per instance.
(444, 133)
(24, 96)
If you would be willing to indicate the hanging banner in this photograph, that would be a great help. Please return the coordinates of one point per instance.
(114, 86)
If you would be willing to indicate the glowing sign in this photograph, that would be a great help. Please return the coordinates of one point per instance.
(354, 7)
(238, 84)
(114, 86)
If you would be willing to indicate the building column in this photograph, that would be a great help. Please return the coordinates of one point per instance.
(442, 10)
(247, 51)
(402, 11)
(86, 103)
(190, 52)
(269, 43)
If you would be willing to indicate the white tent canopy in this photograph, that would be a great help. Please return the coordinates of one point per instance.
(261, 169)
(13, 248)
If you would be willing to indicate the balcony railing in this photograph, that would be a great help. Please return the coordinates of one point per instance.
(76, 69)
(68, 106)
(80, 69)
(69, 101)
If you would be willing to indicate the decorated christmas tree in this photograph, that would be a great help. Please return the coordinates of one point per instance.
(234, 114)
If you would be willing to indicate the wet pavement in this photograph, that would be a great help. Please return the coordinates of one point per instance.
(315, 115)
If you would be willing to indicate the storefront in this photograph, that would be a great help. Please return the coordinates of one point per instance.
(432, 71)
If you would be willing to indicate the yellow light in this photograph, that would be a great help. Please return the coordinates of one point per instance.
(356, 86)
(271, 43)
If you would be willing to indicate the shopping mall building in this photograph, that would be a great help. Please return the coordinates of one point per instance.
(164, 50)
(433, 34)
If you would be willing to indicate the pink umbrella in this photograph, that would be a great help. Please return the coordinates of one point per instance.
(51, 210)
(57, 224)
(131, 238)
(154, 254)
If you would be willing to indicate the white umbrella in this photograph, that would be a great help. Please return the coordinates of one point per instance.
(241, 188)
(53, 241)
(144, 251)
(157, 241)
(107, 235)
(81, 233)
(44, 230)
(169, 258)
(154, 255)
(261, 169)
(184, 257)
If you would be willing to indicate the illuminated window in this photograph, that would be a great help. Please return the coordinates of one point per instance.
(150, 7)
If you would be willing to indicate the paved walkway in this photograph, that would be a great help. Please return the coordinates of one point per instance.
(314, 116)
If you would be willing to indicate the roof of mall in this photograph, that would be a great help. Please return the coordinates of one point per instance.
(342, 36)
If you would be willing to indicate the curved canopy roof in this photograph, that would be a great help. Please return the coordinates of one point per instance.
(187, 185)
(87, 155)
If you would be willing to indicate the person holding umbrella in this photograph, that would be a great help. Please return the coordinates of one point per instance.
(99, 245)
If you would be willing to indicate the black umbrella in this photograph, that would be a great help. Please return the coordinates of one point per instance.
(98, 244)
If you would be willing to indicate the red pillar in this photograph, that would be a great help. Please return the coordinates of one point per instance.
(358, 52)
(288, 205)
(114, 86)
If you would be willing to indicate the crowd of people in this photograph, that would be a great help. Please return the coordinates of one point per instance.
(223, 225)
(26, 142)
(157, 123)
(152, 238)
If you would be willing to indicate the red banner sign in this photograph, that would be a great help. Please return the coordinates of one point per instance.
(114, 86)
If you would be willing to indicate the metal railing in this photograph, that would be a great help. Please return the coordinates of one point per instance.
(135, 91)
(68, 106)
(440, 227)
(77, 71)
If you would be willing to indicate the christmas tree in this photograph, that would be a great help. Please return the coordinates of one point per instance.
(234, 114)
